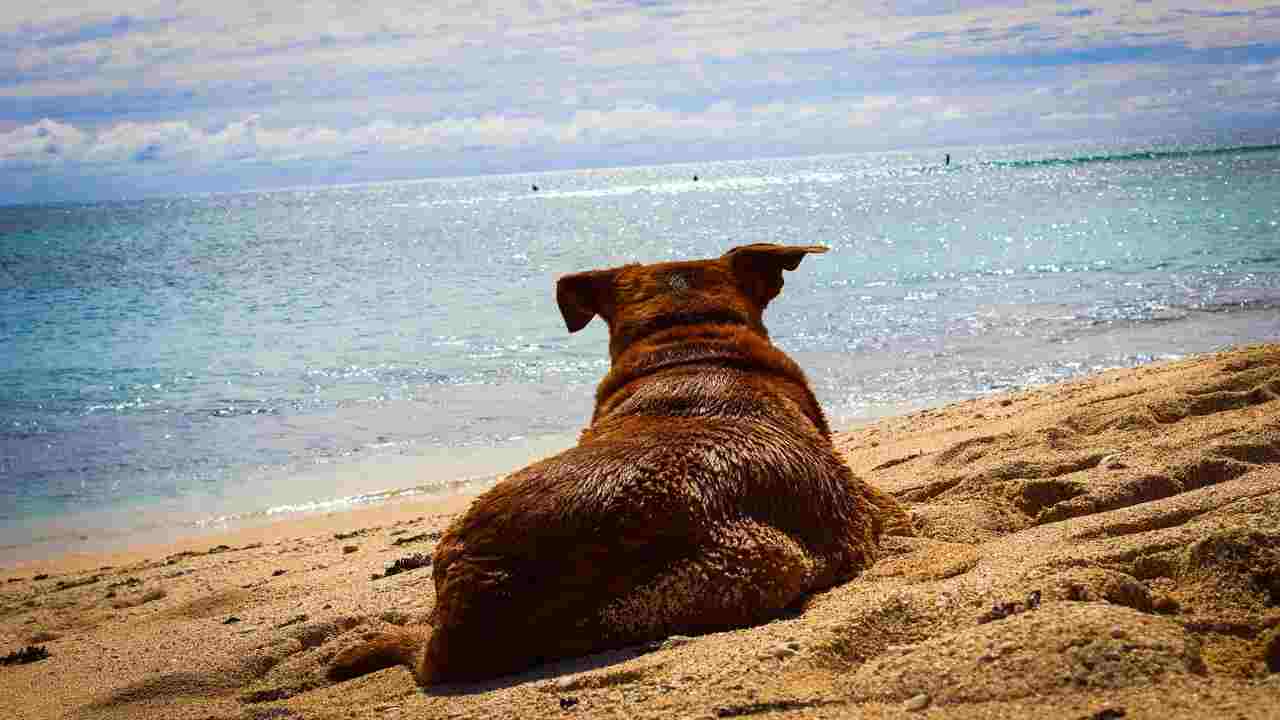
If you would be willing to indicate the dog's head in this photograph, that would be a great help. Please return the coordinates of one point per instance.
(639, 300)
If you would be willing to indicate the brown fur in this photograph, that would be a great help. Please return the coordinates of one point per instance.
(704, 495)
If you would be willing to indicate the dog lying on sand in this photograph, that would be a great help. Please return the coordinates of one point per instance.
(704, 495)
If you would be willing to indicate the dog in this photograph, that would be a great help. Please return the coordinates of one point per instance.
(705, 493)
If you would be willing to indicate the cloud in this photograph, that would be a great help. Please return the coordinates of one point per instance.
(49, 143)
(40, 145)
(309, 47)
(1217, 13)
(97, 87)
(93, 30)
(1053, 94)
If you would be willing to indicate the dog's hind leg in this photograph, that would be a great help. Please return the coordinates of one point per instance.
(746, 573)
(379, 651)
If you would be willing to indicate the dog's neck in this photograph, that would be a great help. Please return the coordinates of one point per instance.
(724, 346)
(659, 330)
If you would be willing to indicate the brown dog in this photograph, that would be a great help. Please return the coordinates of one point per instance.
(704, 495)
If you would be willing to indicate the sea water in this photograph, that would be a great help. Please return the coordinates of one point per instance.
(183, 362)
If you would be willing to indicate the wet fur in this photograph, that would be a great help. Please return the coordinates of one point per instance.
(705, 494)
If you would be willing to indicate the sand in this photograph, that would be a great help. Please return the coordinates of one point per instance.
(1104, 548)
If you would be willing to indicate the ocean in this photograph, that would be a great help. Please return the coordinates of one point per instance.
(178, 364)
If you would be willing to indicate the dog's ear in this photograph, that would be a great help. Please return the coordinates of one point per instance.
(584, 295)
(759, 267)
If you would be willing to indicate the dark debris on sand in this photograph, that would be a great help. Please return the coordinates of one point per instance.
(29, 654)
(405, 564)
(416, 538)
(771, 706)
(1004, 610)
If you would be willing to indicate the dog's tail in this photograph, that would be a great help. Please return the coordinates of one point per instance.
(379, 651)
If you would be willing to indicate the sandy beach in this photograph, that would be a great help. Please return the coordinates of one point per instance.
(1102, 548)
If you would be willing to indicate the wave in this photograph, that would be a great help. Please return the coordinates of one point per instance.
(1135, 156)
(469, 484)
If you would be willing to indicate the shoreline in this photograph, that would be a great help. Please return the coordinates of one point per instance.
(1082, 548)
(369, 481)
(261, 530)
(98, 537)
(442, 495)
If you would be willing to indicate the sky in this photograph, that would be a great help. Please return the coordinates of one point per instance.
(105, 100)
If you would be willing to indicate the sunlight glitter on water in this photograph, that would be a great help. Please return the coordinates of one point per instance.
(196, 353)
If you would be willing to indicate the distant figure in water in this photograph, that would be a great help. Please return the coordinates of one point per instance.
(535, 188)
(947, 161)
(695, 178)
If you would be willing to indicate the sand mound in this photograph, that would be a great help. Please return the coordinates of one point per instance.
(1052, 649)
(1099, 549)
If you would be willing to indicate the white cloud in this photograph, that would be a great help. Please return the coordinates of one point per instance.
(237, 42)
(179, 143)
(42, 144)
(242, 83)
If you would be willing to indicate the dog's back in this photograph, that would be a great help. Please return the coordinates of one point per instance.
(705, 494)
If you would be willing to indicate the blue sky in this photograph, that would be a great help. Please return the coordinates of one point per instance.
(110, 99)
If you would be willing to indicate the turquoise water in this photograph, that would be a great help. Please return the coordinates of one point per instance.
(182, 361)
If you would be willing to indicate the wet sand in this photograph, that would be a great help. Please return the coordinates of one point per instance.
(1104, 548)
